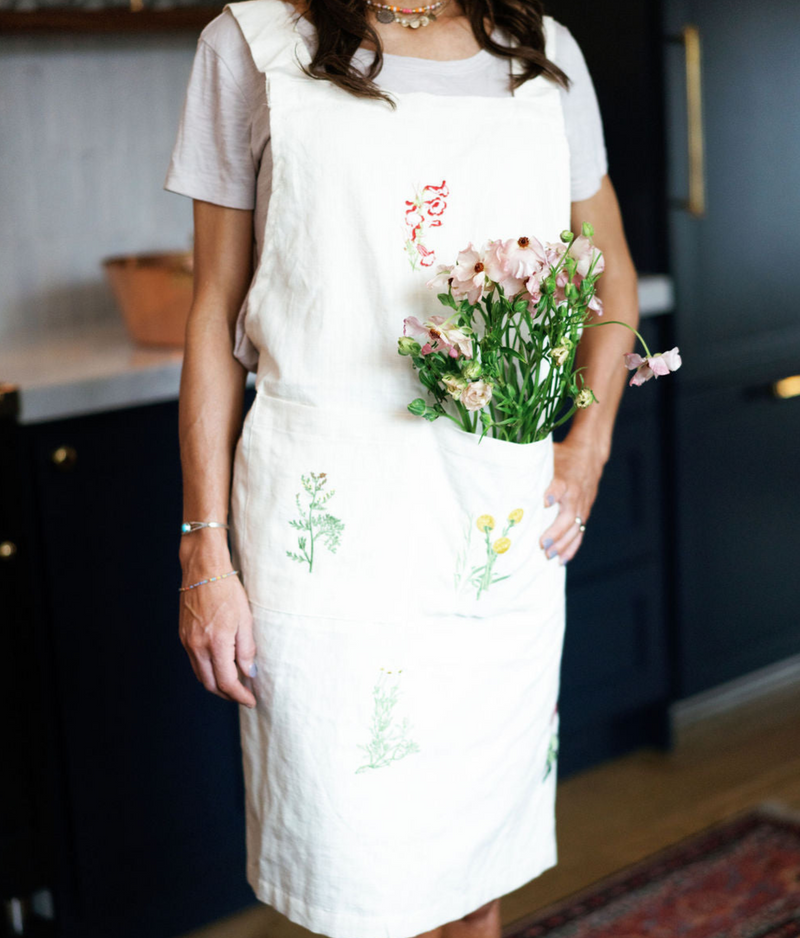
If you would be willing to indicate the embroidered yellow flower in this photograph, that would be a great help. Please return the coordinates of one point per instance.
(485, 523)
(501, 545)
(516, 516)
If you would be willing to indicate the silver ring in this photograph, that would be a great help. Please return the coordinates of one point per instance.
(579, 522)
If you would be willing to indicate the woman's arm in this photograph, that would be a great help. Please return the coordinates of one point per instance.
(215, 619)
(581, 458)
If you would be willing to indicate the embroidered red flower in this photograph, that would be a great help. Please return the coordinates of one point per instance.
(426, 255)
(426, 207)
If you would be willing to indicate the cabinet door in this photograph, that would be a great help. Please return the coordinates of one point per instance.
(739, 511)
(736, 267)
(616, 670)
(153, 832)
(617, 665)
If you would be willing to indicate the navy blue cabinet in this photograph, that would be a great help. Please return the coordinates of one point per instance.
(618, 669)
(738, 329)
(136, 824)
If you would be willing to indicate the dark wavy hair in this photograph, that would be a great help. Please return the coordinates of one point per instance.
(342, 26)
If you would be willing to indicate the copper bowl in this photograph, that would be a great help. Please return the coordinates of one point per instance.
(154, 292)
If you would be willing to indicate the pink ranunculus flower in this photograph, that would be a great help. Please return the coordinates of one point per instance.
(498, 269)
(596, 304)
(435, 335)
(525, 256)
(534, 287)
(584, 253)
(662, 363)
(554, 251)
(469, 274)
(476, 395)
(440, 281)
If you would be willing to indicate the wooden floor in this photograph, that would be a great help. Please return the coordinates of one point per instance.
(617, 813)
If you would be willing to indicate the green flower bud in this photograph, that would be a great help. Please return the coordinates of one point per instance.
(470, 368)
(408, 346)
(586, 230)
(567, 236)
(418, 407)
(548, 286)
(571, 291)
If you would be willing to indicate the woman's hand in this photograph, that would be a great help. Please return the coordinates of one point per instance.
(578, 466)
(216, 624)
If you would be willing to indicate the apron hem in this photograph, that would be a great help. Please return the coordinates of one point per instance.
(335, 925)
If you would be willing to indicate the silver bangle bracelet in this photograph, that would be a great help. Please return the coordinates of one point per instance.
(188, 526)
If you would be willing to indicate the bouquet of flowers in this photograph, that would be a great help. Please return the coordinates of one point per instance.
(503, 358)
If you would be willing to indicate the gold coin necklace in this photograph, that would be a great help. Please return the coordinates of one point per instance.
(407, 16)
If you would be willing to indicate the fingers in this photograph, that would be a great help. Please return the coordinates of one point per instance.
(563, 538)
(223, 662)
(215, 645)
(246, 648)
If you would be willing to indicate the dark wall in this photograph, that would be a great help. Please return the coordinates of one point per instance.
(622, 43)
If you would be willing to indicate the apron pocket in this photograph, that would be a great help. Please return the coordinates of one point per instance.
(344, 515)
(499, 486)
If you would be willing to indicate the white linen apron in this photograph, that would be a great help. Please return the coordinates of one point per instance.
(400, 767)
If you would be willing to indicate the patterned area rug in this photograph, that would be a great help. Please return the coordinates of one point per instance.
(736, 879)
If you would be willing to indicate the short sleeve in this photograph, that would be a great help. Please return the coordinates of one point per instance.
(212, 158)
(584, 125)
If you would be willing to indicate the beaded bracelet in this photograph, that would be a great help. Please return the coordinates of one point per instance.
(182, 589)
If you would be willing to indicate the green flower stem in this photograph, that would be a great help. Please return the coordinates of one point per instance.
(627, 325)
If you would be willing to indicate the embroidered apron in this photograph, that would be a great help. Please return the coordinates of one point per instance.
(400, 767)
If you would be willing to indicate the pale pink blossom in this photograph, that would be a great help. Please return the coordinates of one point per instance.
(525, 256)
(436, 335)
(498, 269)
(469, 275)
(441, 279)
(662, 363)
(581, 250)
(476, 395)
(534, 287)
(584, 253)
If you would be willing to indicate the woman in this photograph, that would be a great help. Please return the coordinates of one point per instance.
(399, 735)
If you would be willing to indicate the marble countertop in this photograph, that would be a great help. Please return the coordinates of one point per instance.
(95, 367)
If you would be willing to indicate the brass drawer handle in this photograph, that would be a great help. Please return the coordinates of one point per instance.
(64, 457)
(7, 550)
(786, 387)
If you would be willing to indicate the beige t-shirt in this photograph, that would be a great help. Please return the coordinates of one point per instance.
(222, 152)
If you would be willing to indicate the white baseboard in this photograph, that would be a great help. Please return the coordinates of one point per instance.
(732, 694)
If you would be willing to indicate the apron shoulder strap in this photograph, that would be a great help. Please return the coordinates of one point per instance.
(268, 27)
(550, 37)
(541, 84)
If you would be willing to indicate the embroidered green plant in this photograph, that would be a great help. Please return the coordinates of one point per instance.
(315, 521)
(463, 555)
(390, 740)
(482, 576)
